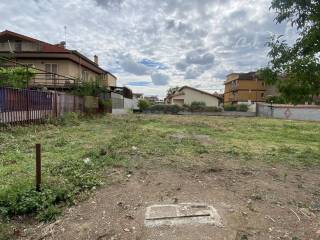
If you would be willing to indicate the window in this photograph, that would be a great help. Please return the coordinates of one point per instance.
(85, 75)
(51, 68)
(18, 46)
(262, 95)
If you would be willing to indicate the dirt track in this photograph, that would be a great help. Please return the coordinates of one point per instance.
(254, 203)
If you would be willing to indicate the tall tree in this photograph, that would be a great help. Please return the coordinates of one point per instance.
(172, 90)
(295, 68)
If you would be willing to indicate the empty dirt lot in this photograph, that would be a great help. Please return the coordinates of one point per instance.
(261, 175)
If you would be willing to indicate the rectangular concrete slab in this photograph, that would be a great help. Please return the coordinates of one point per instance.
(184, 213)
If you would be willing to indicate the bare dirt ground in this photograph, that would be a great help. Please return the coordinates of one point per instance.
(254, 202)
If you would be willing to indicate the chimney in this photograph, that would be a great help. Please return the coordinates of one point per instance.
(96, 59)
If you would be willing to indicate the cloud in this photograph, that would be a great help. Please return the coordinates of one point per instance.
(129, 65)
(200, 57)
(160, 79)
(187, 42)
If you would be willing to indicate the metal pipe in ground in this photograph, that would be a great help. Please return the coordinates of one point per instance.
(38, 167)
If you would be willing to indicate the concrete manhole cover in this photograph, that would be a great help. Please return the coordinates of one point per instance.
(184, 213)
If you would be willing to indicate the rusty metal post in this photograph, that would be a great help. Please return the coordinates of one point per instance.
(38, 167)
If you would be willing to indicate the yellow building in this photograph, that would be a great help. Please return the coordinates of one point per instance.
(246, 88)
(57, 65)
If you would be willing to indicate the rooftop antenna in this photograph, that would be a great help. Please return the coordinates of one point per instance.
(65, 35)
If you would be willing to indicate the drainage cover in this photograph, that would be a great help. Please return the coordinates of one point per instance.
(184, 213)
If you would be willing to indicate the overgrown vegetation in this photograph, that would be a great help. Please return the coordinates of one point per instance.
(200, 107)
(236, 107)
(16, 77)
(77, 151)
(89, 88)
(161, 108)
(143, 104)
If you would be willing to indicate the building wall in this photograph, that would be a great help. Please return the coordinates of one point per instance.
(65, 67)
(192, 96)
(244, 91)
(25, 46)
(299, 112)
(111, 80)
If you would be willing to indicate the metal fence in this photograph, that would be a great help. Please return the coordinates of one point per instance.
(25, 106)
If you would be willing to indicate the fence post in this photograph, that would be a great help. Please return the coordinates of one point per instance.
(56, 103)
(28, 111)
(38, 167)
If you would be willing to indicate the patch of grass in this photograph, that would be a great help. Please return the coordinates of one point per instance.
(77, 151)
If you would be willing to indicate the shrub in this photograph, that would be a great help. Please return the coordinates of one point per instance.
(197, 106)
(213, 109)
(236, 107)
(143, 104)
(230, 107)
(242, 108)
(89, 88)
(172, 109)
(105, 104)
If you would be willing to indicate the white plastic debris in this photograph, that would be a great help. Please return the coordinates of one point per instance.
(87, 160)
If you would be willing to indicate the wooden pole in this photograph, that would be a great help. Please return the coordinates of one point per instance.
(38, 167)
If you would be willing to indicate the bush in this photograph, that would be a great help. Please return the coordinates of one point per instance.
(213, 109)
(105, 104)
(16, 77)
(197, 106)
(236, 107)
(89, 88)
(230, 107)
(172, 109)
(242, 108)
(143, 104)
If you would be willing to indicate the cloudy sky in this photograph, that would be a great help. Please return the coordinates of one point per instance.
(151, 45)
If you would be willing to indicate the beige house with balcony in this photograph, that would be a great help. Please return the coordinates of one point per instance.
(187, 95)
(58, 66)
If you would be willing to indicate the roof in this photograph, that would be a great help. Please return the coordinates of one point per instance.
(244, 76)
(178, 92)
(54, 49)
(46, 47)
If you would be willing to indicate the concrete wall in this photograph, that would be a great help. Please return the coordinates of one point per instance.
(190, 96)
(299, 112)
(128, 104)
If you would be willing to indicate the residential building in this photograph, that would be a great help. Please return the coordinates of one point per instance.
(137, 96)
(187, 95)
(246, 88)
(152, 99)
(62, 66)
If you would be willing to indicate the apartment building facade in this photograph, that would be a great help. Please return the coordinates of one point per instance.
(246, 88)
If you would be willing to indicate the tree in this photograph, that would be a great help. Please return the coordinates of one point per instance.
(295, 69)
(143, 104)
(172, 90)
